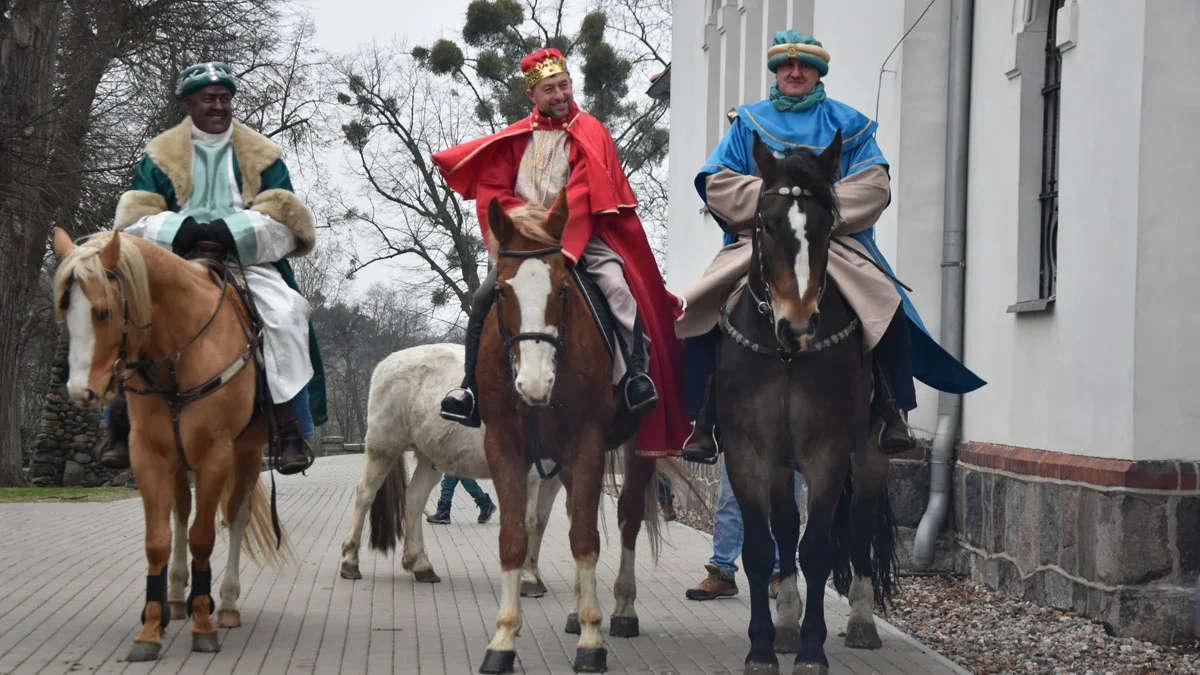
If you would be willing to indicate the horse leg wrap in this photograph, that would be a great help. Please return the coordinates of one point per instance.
(201, 587)
(156, 591)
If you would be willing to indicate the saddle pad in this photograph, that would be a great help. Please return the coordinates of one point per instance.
(597, 304)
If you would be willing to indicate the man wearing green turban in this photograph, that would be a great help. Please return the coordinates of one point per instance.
(213, 179)
(797, 114)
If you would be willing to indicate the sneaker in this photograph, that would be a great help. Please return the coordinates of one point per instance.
(717, 585)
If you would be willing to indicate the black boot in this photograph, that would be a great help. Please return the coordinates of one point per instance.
(442, 517)
(461, 404)
(487, 509)
(701, 445)
(640, 395)
(115, 455)
(295, 453)
(895, 436)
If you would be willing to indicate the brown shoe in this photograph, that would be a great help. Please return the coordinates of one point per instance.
(717, 585)
(773, 586)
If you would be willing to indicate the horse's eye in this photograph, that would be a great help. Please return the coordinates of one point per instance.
(102, 315)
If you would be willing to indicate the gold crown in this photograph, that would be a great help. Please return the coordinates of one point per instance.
(551, 65)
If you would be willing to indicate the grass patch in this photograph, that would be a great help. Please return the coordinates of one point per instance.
(76, 494)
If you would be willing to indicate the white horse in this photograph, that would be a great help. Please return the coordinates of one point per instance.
(403, 416)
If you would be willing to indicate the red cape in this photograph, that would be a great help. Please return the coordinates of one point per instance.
(600, 203)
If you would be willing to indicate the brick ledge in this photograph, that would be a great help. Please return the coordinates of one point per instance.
(1143, 474)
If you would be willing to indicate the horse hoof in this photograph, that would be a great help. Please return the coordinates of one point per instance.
(532, 589)
(350, 571)
(427, 577)
(624, 627)
(863, 636)
(591, 660)
(810, 668)
(572, 624)
(498, 662)
(207, 643)
(178, 609)
(229, 618)
(787, 639)
(753, 668)
(144, 651)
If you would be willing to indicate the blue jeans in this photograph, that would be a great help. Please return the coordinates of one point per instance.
(299, 404)
(727, 526)
(450, 482)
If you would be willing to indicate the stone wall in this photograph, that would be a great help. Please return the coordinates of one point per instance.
(1113, 540)
(908, 491)
(62, 452)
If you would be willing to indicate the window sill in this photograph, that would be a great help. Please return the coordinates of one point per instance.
(1029, 306)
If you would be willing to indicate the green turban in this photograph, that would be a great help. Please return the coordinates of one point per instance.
(789, 44)
(194, 78)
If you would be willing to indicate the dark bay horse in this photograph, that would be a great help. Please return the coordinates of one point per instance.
(547, 400)
(794, 391)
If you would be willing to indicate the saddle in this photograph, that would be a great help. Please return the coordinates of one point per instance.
(598, 305)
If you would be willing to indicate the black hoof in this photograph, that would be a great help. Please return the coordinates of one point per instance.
(143, 651)
(350, 571)
(591, 660)
(624, 627)
(207, 643)
(532, 589)
(863, 636)
(572, 624)
(498, 662)
(810, 669)
(787, 639)
(761, 669)
(427, 577)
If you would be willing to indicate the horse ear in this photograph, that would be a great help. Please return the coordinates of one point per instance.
(110, 255)
(831, 158)
(63, 245)
(763, 159)
(556, 221)
(499, 223)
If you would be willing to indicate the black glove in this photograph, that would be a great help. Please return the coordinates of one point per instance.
(190, 232)
(219, 232)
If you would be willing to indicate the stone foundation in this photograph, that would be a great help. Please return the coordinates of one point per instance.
(1113, 540)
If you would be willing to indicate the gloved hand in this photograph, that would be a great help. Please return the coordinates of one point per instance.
(190, 232)
(219, 232)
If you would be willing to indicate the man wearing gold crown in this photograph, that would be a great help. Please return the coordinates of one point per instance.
(797, 114)
(560, 146)
(213, 179)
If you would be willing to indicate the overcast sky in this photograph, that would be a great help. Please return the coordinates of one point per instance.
(341, 24)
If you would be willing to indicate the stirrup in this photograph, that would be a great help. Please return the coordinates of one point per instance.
(646, 406)
(454, 416)
(697, 458)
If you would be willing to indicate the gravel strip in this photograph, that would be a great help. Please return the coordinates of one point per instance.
(987, 632)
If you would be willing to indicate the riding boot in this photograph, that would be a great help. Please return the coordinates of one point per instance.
(895, 437)
(460, 404)
(295, 453)
(115, 455)
(701, 445)
(640, 394)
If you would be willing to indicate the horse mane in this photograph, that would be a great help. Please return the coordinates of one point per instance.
(83, 265)
(801, 168)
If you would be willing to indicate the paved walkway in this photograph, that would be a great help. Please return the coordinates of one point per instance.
(73, 581)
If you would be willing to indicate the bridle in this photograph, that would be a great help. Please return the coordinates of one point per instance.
(763, 303)
(510, 341)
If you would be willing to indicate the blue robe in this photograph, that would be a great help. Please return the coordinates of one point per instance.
(815, 129)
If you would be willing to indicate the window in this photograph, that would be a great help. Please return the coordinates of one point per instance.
(1048, 196)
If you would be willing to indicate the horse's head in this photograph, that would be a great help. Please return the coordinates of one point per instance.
(531, 293)
(796, 213)
(99, 288)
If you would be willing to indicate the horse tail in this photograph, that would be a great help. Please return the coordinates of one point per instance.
(885, 567)
(841, 534)
(387, 511)
(258, 541)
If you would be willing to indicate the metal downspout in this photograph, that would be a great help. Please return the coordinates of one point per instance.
(953, 279)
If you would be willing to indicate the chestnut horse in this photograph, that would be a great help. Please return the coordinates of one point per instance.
(794, 391)
(136, 312)
(546, 399)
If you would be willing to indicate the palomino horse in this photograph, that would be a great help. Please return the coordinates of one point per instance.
(139, 314)
(794, 390)
(402, 416)
(540, 332)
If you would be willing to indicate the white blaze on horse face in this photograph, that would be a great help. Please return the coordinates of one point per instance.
(535, 372)
(82, 344)
(798, 220)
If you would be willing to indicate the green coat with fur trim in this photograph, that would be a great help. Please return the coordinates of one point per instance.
(162, 181)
